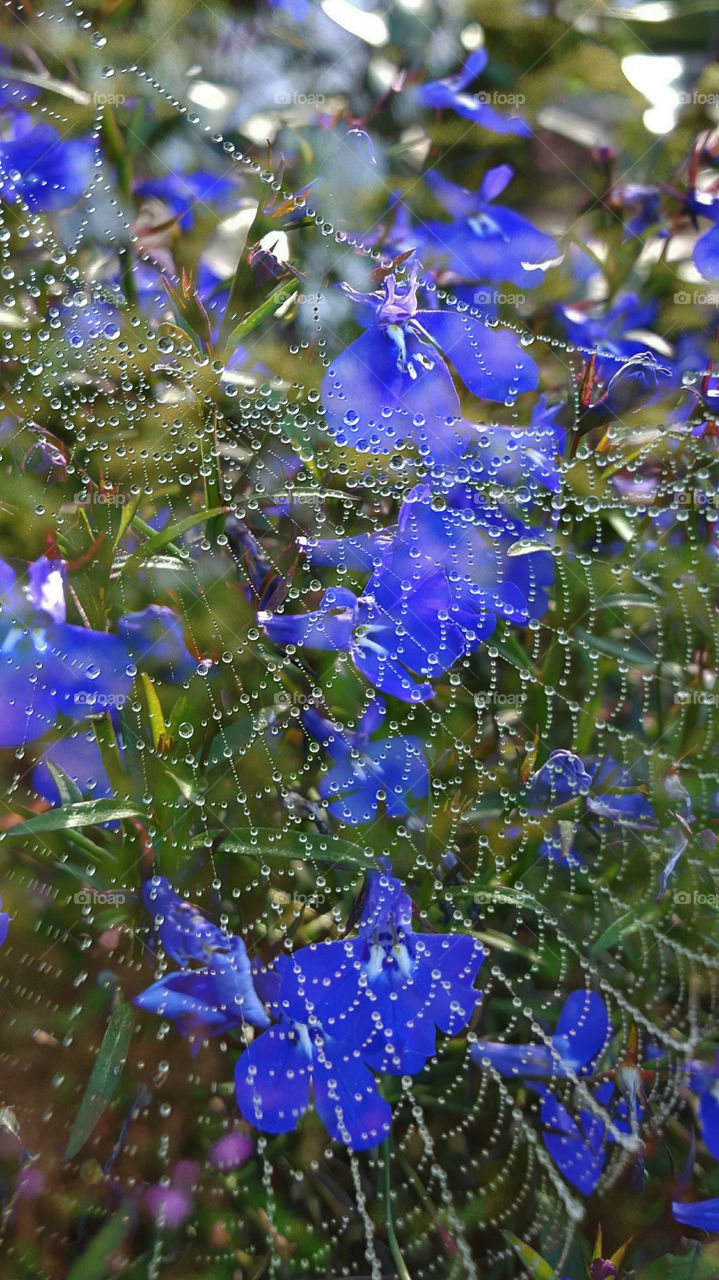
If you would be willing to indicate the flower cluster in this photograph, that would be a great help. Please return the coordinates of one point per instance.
(341, 1011)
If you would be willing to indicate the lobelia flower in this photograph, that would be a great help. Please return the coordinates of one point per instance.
(182, 191)
(214, 998)
(46, 171)
(396, 767)
(4, 924)
(513, 456)
(609, 790)
(374, 1001)
(441, 578)
(393, 383)
(702, 1214)
(704, 1082)
(631, 361)
(274, 1074)
(184, 931)
(450, 94)
(49, 667)
(486, 241)
(706, 249)
(155, 639)
(576, 1140)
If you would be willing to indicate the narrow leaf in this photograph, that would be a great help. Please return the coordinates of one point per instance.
(104, 1077)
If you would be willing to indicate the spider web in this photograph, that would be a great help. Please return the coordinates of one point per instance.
(620, 666)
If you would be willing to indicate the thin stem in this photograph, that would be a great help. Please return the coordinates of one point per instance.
(395, 1250)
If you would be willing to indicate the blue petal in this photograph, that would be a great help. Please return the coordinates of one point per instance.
(329, 627)
(709, 1117)
(79, 757)
(706, 254)
(703, 1214)
(155, 638)
(582, 1029)
(272, 1080)
(346, 1097)
(490, 361)
(375, 397)
(576, 1144)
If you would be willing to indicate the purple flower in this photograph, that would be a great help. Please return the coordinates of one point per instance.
(396, 767)
(49, 667)
(375, 1001)
(486, 241)
(393, 383)
(450, 94)
(232, 1151)
(4, 924)
(214, 998)
(181, 192)
(43, 169)
(441, 579)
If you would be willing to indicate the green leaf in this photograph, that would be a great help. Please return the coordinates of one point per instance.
(162, 538)
(93, 1265)
(304, 846)
(535, 1264)
(87, 813)
(702, 1263)
(104, 1077)
(617, 930)
(68, 790)
(272, 303)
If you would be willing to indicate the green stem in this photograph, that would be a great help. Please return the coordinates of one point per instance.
(395, 1250)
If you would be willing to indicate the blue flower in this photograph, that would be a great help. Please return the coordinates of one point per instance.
(77, 755)
(273, 1078)
(702, 1214)
(450, 94)
(214, 998)
(389, 989)
(49, 667)
(370, 1002)
(185, 933)
(609, 790)
(211, 1000)
(393, 383)
(561, 778)
(181, 192)
(704, 1081)
(631, 360)
(4, 924)
(155, 639)
(441, 579)
(576, 1140)
(43, 169)
(706, 247)
(581, 1033)
(486, 241)
(514, 456)
(396, 767)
